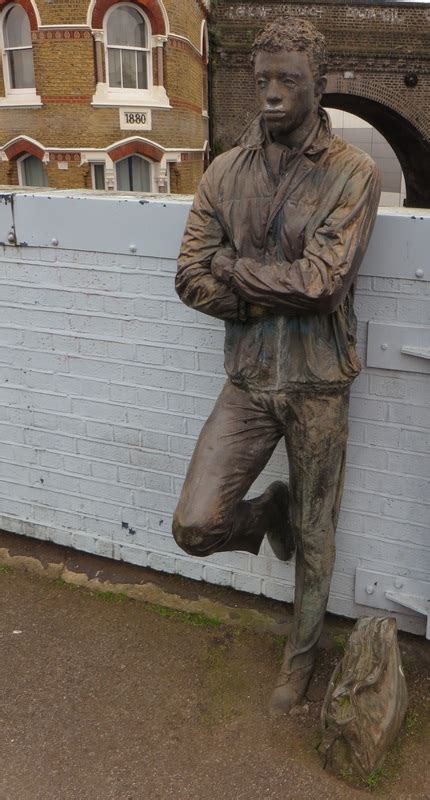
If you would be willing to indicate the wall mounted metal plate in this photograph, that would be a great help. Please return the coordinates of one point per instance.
(7, 232)
(399, 247)
(393, 593)
(145, 225)
(396, 346)
(396, 250)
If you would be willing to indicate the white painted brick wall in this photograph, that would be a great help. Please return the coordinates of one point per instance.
(106, 380)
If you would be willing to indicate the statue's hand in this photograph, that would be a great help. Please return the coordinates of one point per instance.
(223, 263)
(253, 310)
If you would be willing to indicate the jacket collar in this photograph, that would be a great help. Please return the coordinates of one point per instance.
(255, 135)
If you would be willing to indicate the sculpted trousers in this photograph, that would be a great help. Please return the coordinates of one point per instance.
(235, 444)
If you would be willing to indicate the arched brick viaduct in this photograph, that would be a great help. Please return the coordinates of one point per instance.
(379, 69)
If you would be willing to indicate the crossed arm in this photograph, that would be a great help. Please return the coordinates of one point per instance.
(212, 279)
(204, 237)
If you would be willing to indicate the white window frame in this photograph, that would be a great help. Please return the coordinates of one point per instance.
(153, 188)
(20, 166)
(93, 164)
(160, 177)
(154, 96)
(14, 97)
(148, 49)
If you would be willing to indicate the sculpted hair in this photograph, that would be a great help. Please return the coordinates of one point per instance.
(294, 34)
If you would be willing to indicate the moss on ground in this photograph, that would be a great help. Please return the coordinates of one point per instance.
(226, 695)
(187, 617)
(340, 641)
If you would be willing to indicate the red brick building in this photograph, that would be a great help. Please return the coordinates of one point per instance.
(104, 94)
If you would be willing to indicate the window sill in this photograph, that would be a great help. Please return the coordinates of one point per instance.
(21, 101)
(156, 98)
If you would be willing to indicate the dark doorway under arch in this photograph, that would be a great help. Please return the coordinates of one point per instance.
(412, 150)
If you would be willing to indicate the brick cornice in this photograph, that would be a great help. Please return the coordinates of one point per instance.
(150, 7)
(70, 158)
(134, 148)
(61, 35)
(23, 147)
(28, 8)
(185, 46)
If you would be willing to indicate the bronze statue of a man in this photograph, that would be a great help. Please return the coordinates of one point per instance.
(272, 246)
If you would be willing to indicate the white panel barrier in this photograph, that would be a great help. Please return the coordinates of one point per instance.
(106, 380)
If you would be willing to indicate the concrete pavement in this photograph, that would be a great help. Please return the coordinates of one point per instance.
(106, 698)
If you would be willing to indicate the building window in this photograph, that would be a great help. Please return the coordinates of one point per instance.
(134, 174)
(32, 172)
(98, 176)
(128, 49)
(18, 50)
(129, 55)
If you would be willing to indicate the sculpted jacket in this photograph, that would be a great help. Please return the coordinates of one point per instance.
(299, 239)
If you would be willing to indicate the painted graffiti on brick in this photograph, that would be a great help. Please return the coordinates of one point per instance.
(248, 11)
(384, 14)
(266, 12)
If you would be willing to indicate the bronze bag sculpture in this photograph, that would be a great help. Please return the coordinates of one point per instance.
(272, 246)
(366, 700)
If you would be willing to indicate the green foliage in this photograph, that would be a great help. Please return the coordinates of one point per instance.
(162, 611)
(279, 645)
(227, 695)
(339, 643)
(185, 616)
(109, 597)
(98, 594)
(215, 39)
(59, 583)
(344, 703)
(411, 721)
(374, 778)
(5, 568)
(216, 149)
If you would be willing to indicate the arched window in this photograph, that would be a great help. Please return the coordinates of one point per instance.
(18, 50)
(32, 172)
(128, 48)
(134, 174)
(129, 39)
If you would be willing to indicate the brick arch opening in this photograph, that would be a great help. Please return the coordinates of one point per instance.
(22, 147)
(151, 8)
(135, 148)
(28, 7)
(412, 150)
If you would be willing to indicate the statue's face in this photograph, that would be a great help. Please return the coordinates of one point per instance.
(287, 91)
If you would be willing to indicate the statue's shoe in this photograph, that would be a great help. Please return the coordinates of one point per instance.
(280, 534)
(290, 689)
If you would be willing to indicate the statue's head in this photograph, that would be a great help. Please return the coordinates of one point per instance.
(290, 65)
(294, 35)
